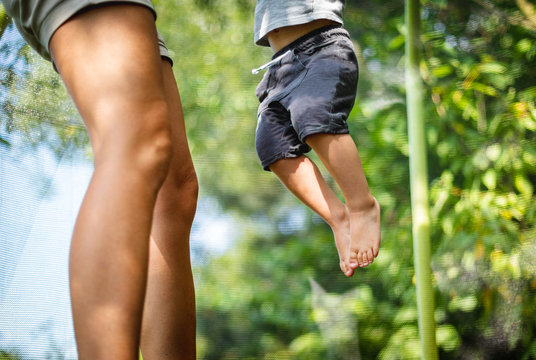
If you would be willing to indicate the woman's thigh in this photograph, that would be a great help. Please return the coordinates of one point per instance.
(110, 61)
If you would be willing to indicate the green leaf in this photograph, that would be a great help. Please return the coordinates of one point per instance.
(490, 179)
(4, 142)
(4, 20)
(523, 185)
(397, 42)
(492, 68)
(442, 71)
(484, 89)
(447, 337)
(524, 45)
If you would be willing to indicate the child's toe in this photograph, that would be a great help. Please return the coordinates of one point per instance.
(370, 256)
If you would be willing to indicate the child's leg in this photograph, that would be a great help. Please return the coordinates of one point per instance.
(340, 156)
(301, 176)
(168, 330)
(109, 60)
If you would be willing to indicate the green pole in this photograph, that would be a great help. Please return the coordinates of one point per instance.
(419, 183)
(4, 20)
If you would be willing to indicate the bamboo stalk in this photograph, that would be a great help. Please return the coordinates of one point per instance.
(419, 183)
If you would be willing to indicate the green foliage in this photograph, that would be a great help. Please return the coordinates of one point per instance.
(479, 108)
(4, 20)
(35, 104)
(212, 45)
(42, 111)
(4, 355)
(255, 301)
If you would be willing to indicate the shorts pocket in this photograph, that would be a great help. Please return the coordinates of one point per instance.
(262, 89)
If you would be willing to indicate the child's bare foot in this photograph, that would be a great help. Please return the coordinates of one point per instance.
(341, 233)
(365, 234)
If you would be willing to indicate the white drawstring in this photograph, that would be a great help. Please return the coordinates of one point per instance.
(270, 63)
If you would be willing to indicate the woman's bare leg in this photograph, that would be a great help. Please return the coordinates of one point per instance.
(109, 60)
(168, 330)
(302, 177)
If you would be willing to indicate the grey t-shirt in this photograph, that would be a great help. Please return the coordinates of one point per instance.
(273, 14)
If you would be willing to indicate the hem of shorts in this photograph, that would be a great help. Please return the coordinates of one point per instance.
(164, 51)
(67, 9)
(303, 135)
(288, 155)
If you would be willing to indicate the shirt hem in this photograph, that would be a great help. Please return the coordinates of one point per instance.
(260, 35)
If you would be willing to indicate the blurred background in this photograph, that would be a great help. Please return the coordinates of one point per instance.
(266, 268)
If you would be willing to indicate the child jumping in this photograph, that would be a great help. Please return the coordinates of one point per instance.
(305, 98)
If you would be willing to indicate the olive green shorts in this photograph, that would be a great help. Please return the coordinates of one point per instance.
(37, 20)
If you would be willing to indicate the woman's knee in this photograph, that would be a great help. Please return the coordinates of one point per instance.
(151, 145)
(137, 141)
(179, 192)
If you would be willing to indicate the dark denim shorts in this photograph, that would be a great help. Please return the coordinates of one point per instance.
(311, 89)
